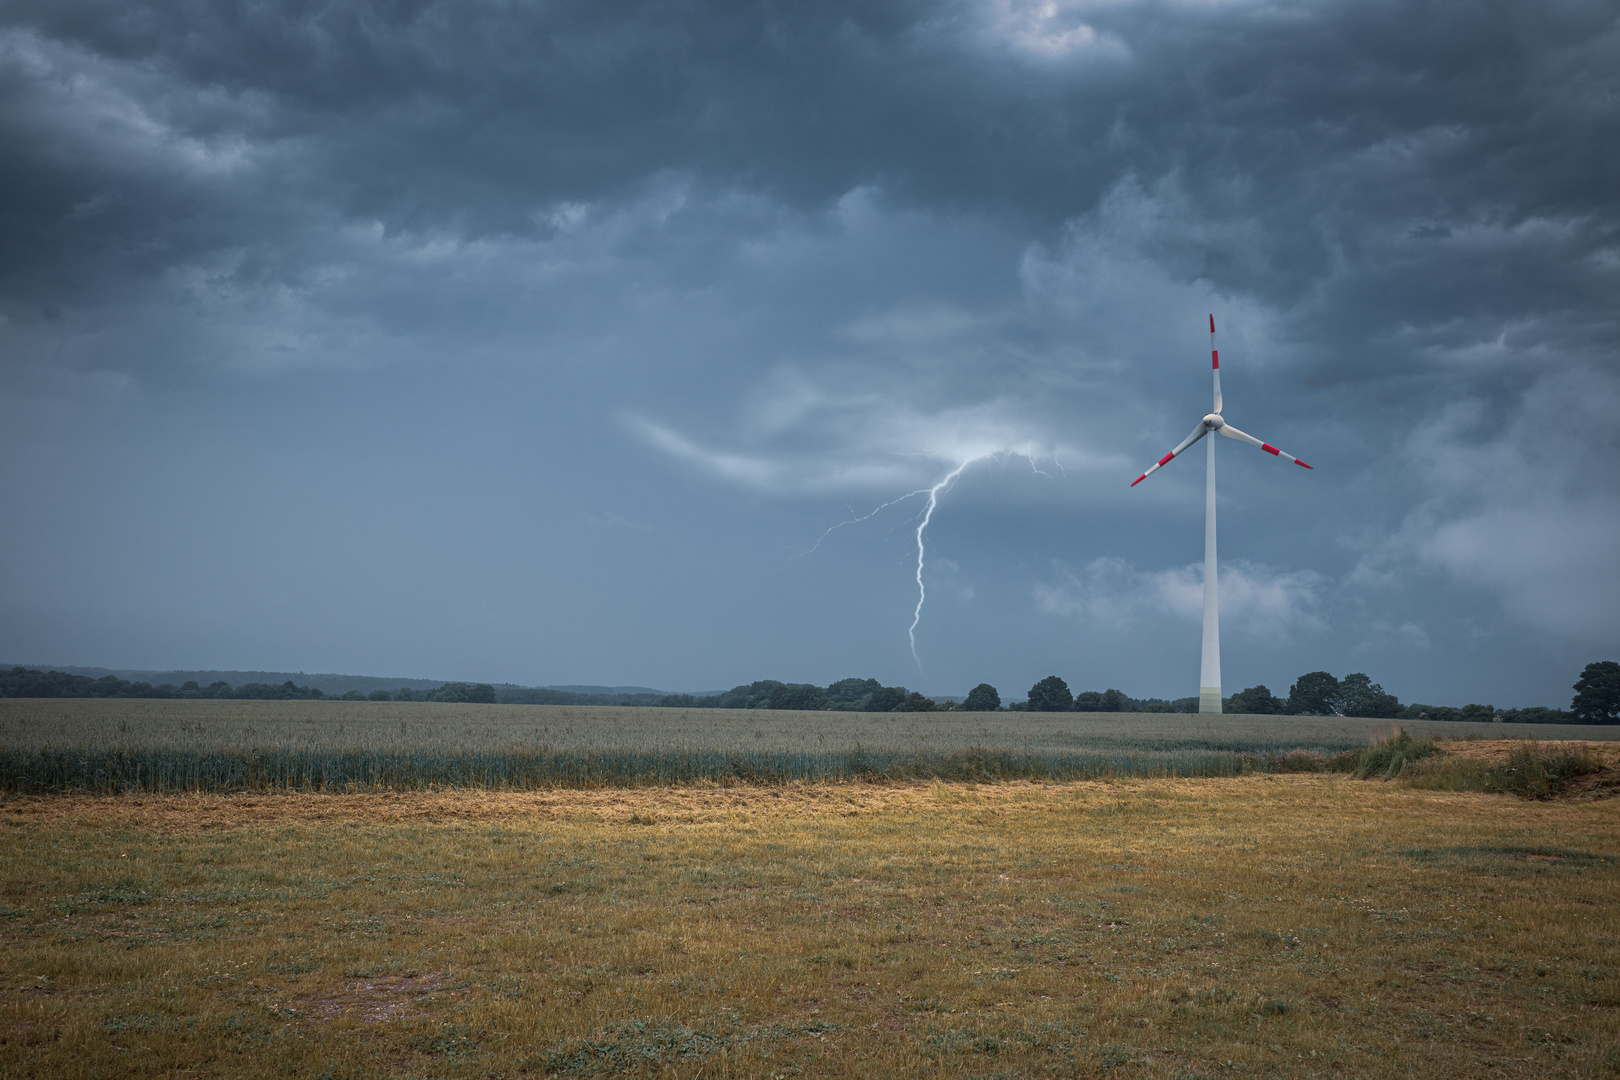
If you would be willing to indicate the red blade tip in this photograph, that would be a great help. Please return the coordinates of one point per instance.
(1139, 479)
(1212, 323)
(1301, 464)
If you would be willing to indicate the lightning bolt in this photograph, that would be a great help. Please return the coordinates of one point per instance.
(858, 520)
(923, 520)
(922, 526)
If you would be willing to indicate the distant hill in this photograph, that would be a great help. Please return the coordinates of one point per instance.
(335, 685)
(327, 683)
(617, 691)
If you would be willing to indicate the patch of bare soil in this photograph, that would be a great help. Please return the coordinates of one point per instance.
(378, 1000)
(1602, 784)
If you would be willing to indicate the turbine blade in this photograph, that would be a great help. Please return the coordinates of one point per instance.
(1215, 363)
(1233, 433)
(1197, 433)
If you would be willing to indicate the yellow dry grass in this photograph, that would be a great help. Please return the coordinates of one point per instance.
(1497, 751)
(1262, 926)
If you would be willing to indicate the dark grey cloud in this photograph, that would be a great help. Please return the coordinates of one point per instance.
(788, 256)
(474, 115)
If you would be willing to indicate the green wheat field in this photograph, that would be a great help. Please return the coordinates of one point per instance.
(114, 746)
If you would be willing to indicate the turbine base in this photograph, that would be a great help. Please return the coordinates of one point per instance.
(1209, 699)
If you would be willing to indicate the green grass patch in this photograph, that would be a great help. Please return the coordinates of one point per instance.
(1390, 758)
(1384, 760)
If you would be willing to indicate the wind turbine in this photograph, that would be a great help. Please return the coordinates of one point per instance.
(1209, 676)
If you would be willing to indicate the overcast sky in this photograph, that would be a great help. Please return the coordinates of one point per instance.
(542, 342)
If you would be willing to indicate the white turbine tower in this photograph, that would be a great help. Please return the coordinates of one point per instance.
(1209, 676)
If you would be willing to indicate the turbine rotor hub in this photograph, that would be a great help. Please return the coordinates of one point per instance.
(1214, 422)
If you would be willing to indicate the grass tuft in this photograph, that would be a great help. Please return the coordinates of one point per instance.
(1391, 758)
(1384, 760)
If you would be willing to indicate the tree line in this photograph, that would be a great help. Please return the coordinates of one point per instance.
(869, 695)
(540, 695)
(845, 695)
(1316, 693)
(27, 682)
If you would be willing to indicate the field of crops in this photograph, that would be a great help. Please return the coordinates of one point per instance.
(113, 746)
(99, 724)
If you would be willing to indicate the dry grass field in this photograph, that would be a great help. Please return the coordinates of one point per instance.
(1293, 925)
(1497, 751)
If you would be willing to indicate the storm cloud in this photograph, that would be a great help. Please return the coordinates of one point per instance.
(533, 342)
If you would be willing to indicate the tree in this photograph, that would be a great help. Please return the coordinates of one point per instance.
(1360, 696)
(982, 698)
(1535, 714)
(915, 702)
(851, 694)
(379, 695)
(886, 698)
(1256, 701)
(802, 696)
(1597, 694)
(483, 693)
(1051, 694)
(1109, 700)
(759, 693)
(1315, 694)
(287, 691)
